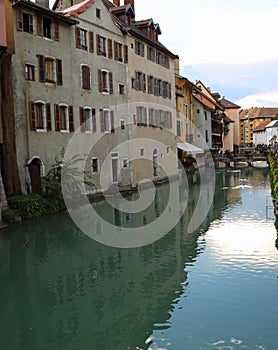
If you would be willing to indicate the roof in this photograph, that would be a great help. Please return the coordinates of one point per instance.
(42, 9)
(259, 113)
(228, 104)
(78, 8)
(273, 124)
(261, 127)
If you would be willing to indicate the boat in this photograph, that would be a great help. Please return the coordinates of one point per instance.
(259, 164)
(239, 164)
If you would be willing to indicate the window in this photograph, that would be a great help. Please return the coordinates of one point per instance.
(50, 70)
(139, 48)
(101, 45)
(125, 163)
(88, 119)
(95, 165)
(141, 113)
(98, 13)
(107, 123)
(86, 79)
(27, 23)
(81, 38)
(44, 27)
(140, 81)
(29, 72)
(142, 152)
(121, 89)
(185, 111)
(118, 51)
(114, 165)
(63, 118)
(40, 116)
(151, 53)
(105, 81)
(206, 116)
(168, 149)
(122, 123)
(151, 117)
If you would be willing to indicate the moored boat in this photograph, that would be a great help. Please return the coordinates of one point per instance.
(259, 164)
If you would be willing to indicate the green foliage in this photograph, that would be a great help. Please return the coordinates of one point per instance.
(51, 201)
(34, 205)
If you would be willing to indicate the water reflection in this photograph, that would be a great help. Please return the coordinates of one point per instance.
(65, 291)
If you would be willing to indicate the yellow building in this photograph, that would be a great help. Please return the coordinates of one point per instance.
(253, 117)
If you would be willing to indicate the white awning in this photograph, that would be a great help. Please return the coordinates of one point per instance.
(185, 146)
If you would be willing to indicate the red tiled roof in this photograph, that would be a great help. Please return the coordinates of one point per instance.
(261, 127)
(228, 104)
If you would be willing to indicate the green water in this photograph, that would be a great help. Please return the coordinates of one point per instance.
(216, 288)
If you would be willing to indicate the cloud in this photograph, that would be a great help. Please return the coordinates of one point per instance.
(264, 99)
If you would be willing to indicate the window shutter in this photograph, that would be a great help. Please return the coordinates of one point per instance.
(116, 57)
(110, 49)
(71, 121)
(149, 84)
(57, 118)
(112, 121)
(91, 42)
(85, 77)
(31, 24)
(19, 20)
(32, 115)
(99, 80)
(59, 71)
(170, 91)
(164, 89)
(48, 117)
(143, 50)
(98, 45)
(77, 37)
(82, 120)
(94, 121)
(110, 82)
(125, 54)
(137, 81)
(41, 68)
(144, 82)
(39, 25)
(56, 35)
(102, 125)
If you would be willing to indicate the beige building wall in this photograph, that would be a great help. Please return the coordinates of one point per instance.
(164, 138)
(46, 145)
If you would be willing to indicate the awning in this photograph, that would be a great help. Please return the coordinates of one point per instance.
(185, 146)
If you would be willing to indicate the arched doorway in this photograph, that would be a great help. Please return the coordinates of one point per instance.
(35, 175)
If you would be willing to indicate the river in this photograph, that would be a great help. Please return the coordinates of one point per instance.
(214, 288)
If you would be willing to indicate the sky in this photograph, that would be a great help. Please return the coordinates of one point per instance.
(230, 45)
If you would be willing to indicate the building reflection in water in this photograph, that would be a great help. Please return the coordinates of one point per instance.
(66, 291)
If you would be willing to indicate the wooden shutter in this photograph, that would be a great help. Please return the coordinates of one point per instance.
(71, 121)
(91, 42)
(56, 34)
(57, 118)
(110, 82)
(116, 56)
(149, 84)
(125, 54)
(110, 49)
(59, 72)
(144, 82)
(85, 77)
(77, 37)
(39, 25)
(99, 80)
(102, 125)
(82, 120)
(112, 121)
(143, 50)
(98, 45)
(170, 92)
(94, 121)
(19, 20)
(32, 116)
(41, 68)
(48, 117)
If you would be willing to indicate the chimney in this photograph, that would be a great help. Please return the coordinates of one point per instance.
(44, 3)
(116, 2)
